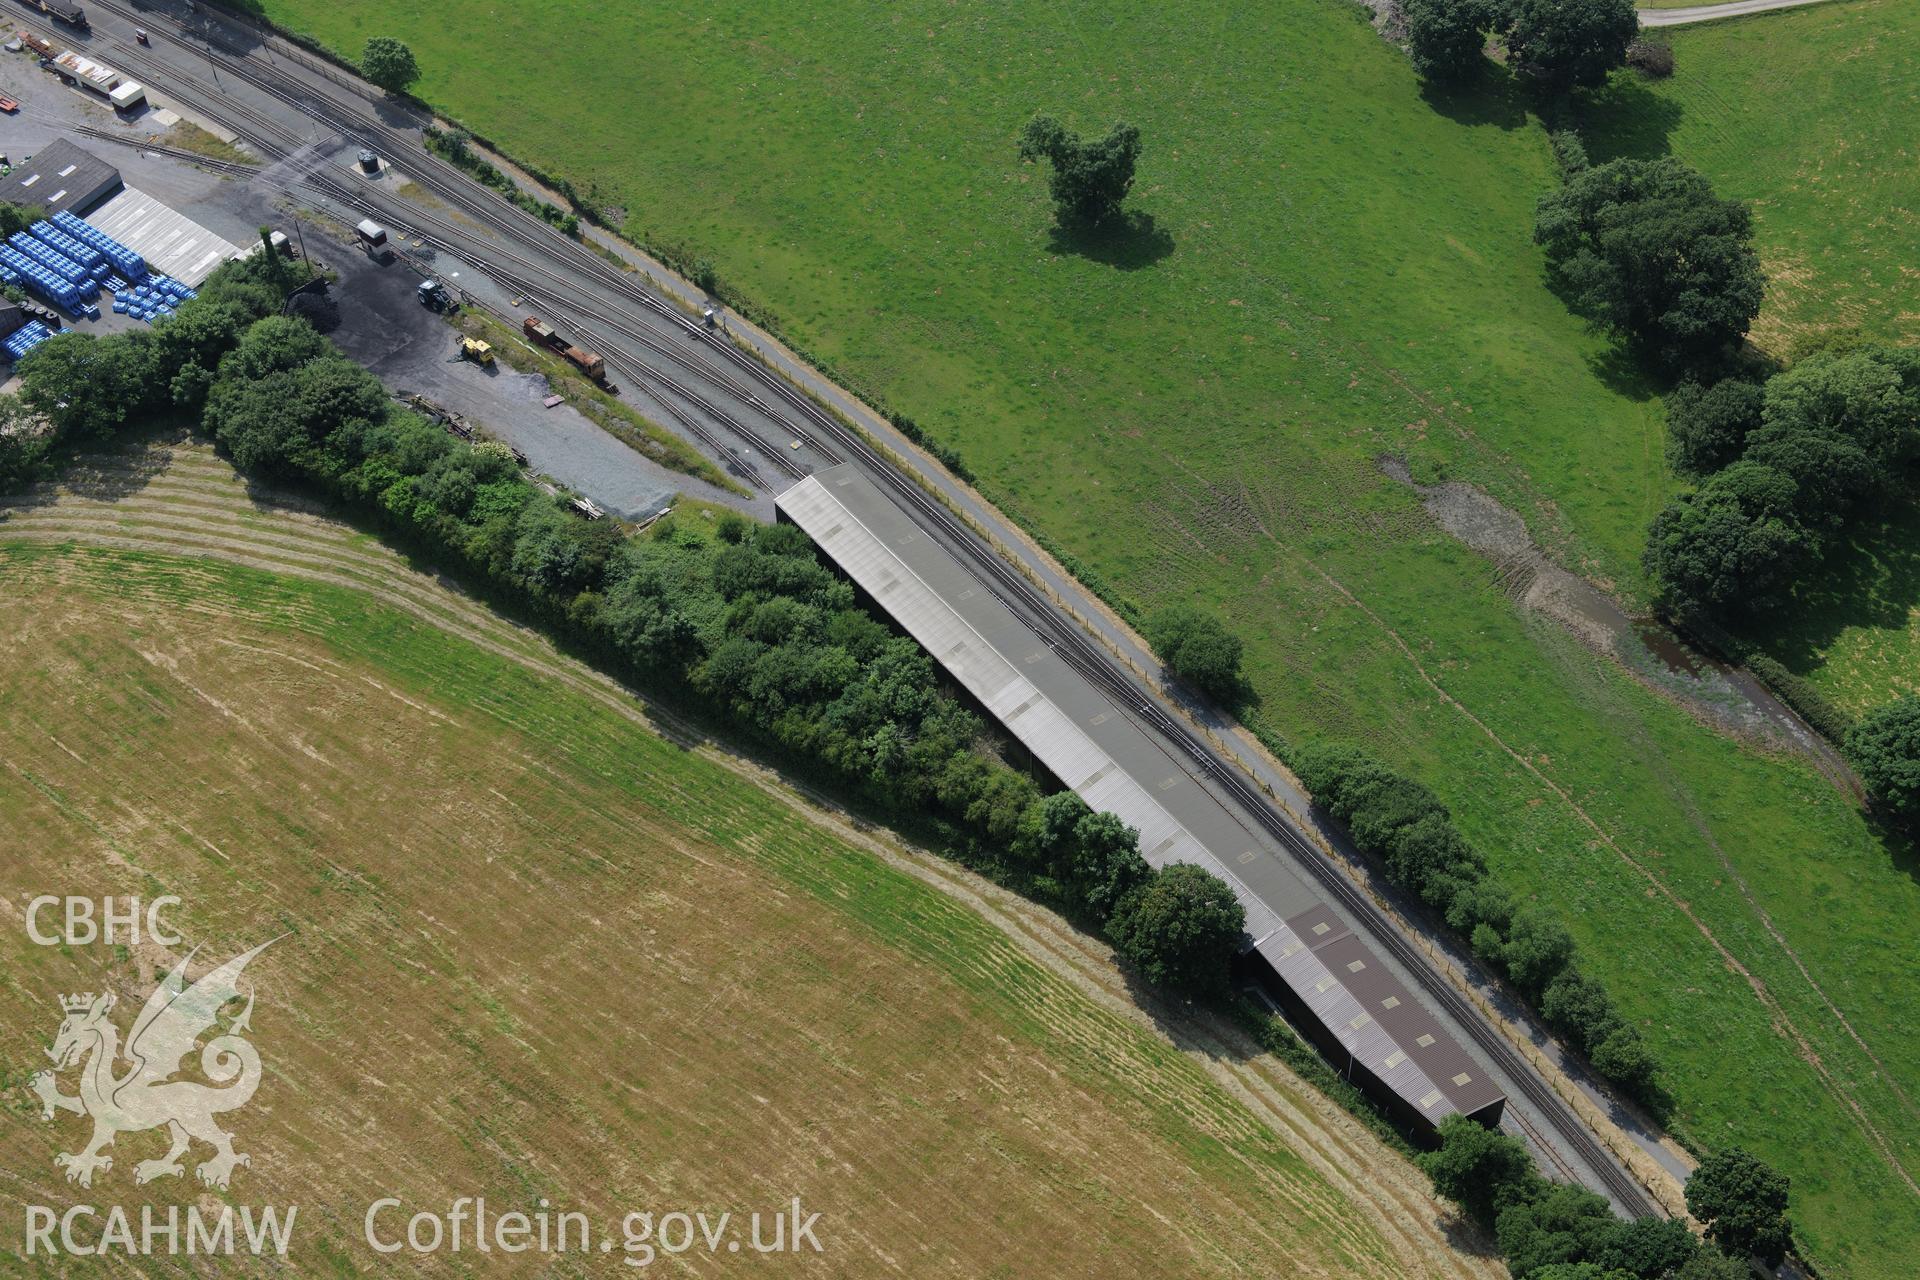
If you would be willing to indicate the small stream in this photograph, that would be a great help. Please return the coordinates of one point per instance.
(1728, 697)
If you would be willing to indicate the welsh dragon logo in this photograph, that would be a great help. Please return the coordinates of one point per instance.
(146, 1095)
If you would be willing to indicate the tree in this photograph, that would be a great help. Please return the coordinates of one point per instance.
(1380, 808)
(1646, 1247)
(202, 333)
(1579, 1271)
(389, 64)
(1743, 1203)
(1090, 179)
(1482, 904)
(18, 217)
(243, 286)
(1570, 44)
(641, 614)
(1180, 929)
(1045, 839)
(1578, 1008)
(1705, 1264)
(1561, 1224)
(1447, 38)
(270, 255)
(1538, 947)
(1884, 745)
(1432, 858)
(90, 387)
(1105, 863)
(1624, 1058)
(1337, 775)
(273, 345)
(1843, 425)
(1729, 545)
(290, 422)
(1198, 650)
(1707, 427)
(1480, 1169)
(24, 444)
(190, 386)
(1645, 248)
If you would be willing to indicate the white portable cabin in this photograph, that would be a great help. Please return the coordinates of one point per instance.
(101, 78)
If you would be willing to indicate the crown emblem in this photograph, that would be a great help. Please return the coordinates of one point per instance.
(78, 1003)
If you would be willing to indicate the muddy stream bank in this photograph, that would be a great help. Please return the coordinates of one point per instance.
(1730, 698)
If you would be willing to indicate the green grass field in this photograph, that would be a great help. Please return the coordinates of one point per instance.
(1335, 268)
(1809, 116)
(1854, 629)
(541, 944)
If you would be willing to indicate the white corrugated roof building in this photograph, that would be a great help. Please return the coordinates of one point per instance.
(1076, 732)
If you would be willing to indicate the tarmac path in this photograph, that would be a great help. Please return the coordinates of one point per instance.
(1709, 12)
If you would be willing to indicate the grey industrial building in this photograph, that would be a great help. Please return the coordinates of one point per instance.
(61, 176)
(1356, 1009)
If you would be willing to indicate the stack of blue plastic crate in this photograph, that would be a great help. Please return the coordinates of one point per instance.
(60, 242)
(85, 256)
(155, 299)
(26, 338)
(127, 264)
(35, 268)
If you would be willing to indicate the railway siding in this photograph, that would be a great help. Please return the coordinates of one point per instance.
(582, 282)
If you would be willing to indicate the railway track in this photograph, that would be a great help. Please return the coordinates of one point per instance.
(486, 206)
(767, 393)
(613, 338)
(1070, 643)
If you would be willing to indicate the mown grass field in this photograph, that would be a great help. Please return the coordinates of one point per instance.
(1334, 267)
(1806, 114)
(541, 948)
(1854, 629)
(1809, 116)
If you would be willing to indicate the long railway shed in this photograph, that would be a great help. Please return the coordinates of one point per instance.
(1318, 969)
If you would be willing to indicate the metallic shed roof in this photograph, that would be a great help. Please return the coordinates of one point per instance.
(1076, 732)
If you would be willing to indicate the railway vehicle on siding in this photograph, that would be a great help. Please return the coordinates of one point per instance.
(586, 361)
(60, 11)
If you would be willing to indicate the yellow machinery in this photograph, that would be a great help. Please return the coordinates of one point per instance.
(477, 351)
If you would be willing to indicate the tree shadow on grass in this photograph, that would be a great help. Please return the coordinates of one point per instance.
(1626, 370)
(1869, 579)
(1133, 242)
(112, 471)
(1489, 99)
(1627, 117)
(1898, 841)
